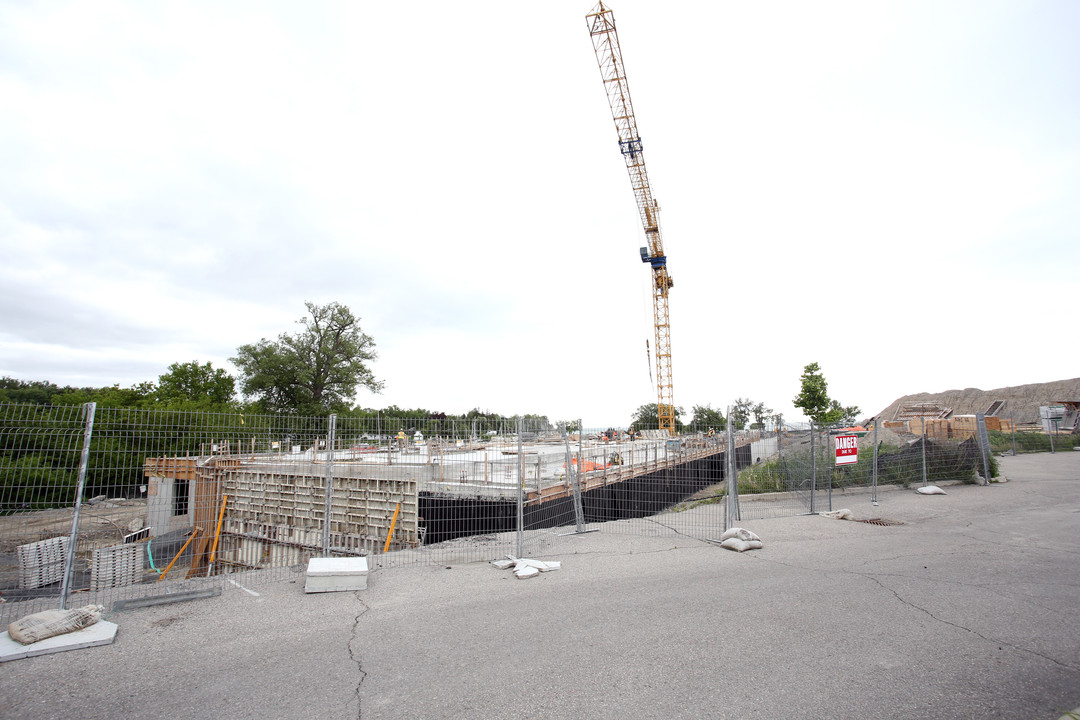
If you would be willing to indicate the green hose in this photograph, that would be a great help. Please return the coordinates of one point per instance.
(151, 556)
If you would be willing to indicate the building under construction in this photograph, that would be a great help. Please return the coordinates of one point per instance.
(267, 509)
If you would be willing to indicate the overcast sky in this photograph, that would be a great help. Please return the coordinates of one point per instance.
(889, 189)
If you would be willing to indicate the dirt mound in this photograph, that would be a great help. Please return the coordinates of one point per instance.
(1020, 402)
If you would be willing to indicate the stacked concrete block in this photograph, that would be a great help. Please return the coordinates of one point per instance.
(336, 575)
(42, 563)
(117, 566)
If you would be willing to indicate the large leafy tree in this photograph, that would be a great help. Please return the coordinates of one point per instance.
(193, 385)
(36, 392)
(311, 372)
(137, 396)
(647, 417)
(706, 418)
(739, 413)
(761, 414)
(813, 399)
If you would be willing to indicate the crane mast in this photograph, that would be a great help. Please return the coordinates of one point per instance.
(605, 42)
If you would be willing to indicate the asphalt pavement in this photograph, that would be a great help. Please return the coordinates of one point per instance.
(969, 609)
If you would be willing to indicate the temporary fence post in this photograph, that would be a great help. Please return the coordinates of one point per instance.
(732, 507)
(735, 484)
(923, 451)
(89, 409)
(580, 447)
(729, 450)
(331, 433)
(575, 486)
(813, 468)
(984, 443)
(779, 436)
(873, 485)
(1012, 421)
(727, 474)
(390, 440)
(1050, 427)
(521, 493)
(830, 461)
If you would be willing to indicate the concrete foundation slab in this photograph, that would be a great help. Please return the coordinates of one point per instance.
(102, 632)
(336, 574)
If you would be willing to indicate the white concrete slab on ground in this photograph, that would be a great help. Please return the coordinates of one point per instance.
(102, 632)
(336, 574)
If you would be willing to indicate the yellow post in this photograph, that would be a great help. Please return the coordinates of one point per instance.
(217, 535)
(169, 567)
(393, 523)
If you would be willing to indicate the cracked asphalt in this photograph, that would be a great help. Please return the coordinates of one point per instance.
(970, 609)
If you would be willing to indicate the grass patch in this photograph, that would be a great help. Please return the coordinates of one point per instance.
(1029, 442)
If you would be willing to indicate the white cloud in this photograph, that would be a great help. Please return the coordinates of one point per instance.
(177, 180)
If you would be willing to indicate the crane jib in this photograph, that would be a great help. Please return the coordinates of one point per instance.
(605, 42)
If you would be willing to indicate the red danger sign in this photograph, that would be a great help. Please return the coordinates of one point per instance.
(847, 449)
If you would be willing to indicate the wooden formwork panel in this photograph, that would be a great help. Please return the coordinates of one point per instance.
(274, 517)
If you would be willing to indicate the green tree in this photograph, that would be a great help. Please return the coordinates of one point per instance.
(195, 386)
(739, 414)
(35, 392)
(761, 414)
(311, 372)
(138, 396)
(706, 418)
(813, 399)
(33, 482)
(647, 417)
(536, 423)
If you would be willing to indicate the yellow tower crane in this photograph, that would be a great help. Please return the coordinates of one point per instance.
(609, 56)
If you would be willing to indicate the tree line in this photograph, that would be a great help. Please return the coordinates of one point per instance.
(284, 394)
(317, 370)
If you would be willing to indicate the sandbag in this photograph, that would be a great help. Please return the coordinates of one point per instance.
(842, 514)
(47, 623)
(740, 534)
(930, 490)
(738, 545)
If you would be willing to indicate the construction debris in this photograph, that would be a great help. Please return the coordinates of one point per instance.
(526, 568)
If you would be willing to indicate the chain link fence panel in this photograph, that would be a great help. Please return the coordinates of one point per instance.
(177, 503)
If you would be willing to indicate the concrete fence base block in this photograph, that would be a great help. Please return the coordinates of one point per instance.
(336, 574)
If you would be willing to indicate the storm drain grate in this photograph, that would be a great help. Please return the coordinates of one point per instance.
(880, 521)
